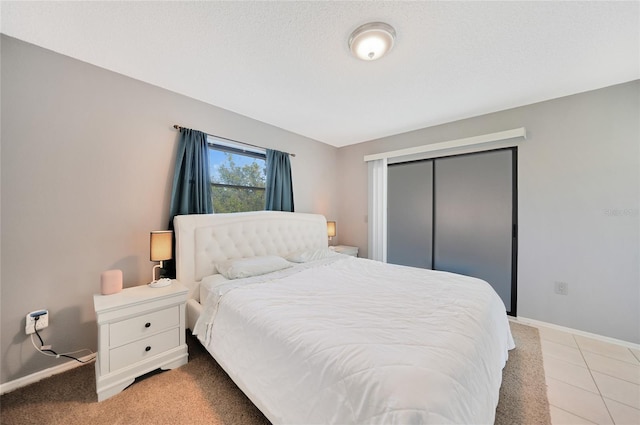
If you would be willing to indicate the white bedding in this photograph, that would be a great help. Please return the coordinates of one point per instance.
(349, 340)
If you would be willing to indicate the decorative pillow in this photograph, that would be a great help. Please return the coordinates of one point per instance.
(310, 255)
(252, 266)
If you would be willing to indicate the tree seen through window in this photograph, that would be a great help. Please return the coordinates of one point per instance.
(237, 180)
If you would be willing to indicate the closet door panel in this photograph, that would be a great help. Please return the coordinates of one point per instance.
(410, 214)
(473, 218)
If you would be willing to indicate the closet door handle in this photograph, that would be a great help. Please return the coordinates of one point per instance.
(147, 325)
(147, 348)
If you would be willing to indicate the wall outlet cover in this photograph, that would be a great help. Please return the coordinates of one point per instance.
(41, 323)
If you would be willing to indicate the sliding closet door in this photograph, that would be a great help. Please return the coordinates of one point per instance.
(474, 218)
(410, 213)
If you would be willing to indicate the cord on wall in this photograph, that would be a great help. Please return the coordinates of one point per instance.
(47, 351)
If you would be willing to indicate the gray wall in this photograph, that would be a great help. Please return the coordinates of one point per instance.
(87, 162)
(579, 188)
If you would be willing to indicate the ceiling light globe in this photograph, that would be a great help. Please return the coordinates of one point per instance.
(372, 41)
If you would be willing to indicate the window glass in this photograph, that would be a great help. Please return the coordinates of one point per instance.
(237, 176)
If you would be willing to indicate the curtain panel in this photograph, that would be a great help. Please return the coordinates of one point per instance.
(279, 187)
(191, 192)
(378, 210)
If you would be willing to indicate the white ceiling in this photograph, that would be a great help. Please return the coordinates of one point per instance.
(288, 63)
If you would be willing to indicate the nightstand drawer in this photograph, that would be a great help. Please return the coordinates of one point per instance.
(140, 350)
(138, 327)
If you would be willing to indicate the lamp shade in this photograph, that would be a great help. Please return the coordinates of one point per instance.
(331, 228)
(161, 245)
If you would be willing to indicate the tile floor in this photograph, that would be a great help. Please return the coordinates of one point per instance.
(590, 381)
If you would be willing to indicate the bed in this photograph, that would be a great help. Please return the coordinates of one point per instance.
(316, 337)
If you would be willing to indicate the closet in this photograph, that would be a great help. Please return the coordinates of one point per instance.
(457, 214)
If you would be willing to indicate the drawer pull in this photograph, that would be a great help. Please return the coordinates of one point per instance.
(148, 348)
(146, 325)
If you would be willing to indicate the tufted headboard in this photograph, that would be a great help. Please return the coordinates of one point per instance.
(204, 239)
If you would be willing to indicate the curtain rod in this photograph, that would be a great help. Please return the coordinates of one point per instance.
(179, 127)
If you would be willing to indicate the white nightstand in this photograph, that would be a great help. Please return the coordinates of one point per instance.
(140, 329)
(344, 249)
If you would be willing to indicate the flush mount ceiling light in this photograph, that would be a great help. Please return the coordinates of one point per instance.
(371, 41)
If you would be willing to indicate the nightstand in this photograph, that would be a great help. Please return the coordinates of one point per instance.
(344, 249)
(140, 329)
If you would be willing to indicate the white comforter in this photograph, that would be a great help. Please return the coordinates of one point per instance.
(349, 340)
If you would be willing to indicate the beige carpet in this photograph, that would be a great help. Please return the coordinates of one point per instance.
(523, 394)
(201, 393)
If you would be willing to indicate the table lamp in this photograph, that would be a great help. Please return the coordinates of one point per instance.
(161, 244)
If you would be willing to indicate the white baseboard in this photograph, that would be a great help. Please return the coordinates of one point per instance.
(38, 376)
(539, 323)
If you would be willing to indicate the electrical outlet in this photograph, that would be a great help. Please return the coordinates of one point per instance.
(41, 323)
(561, 288)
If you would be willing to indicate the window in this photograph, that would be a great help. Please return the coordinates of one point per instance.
(238, 176)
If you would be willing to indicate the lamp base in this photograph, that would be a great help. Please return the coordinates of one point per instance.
(160, 283)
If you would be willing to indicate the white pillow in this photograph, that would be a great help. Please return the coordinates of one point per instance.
(253, 266)
(310, 255)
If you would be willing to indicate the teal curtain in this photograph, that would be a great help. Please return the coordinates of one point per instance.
(279, 188)
(191, 192)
